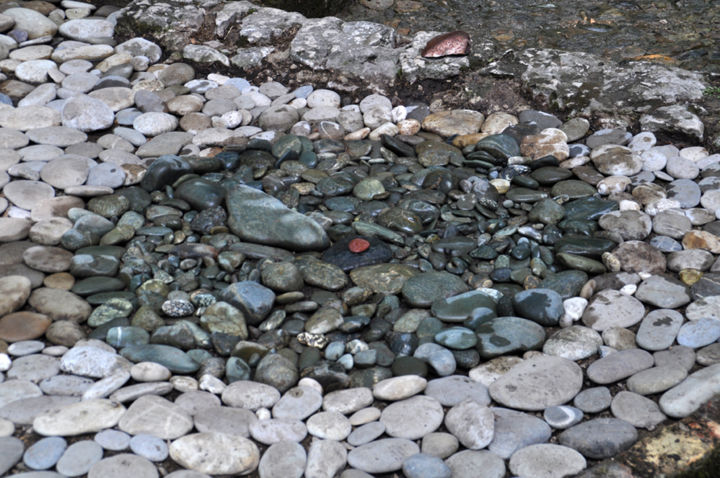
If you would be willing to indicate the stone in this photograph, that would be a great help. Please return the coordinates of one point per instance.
(382, 456)
(412, 418)
(472, 423)
(659, 329)
(686, 397)
(471, 463)
(611, 308)
(11, 450)
(79, 458)
(156, 416)
(123, 464)
(600, 437)
(538, 383)
(283, 459)
(546, 461)
(14, 291)
(45, 453)
(637, 410)
(619, 365)
(78, 418)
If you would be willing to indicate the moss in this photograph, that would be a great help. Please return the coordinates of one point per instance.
(707, 467)
(712, 91)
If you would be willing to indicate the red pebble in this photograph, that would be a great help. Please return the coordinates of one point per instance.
(447, 44)
(358, 245)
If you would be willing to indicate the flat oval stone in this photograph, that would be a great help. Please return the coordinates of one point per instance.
(78, 418)
(698, 333)
(283, 459)
(275, 430)
(538, 383)
(502, 335)
(399, 388)
(44, 453)
(637, 410)
(173, 358)
(656, 379)
(544, 306)
(611, 308)
(658, 329)
(471, 423)
(460, 307)
(515, 430)
(79, 458)
(452, 390)
(686, 397)
(562, 460)
(600, 438)
(412, 418)
(123, 465)
(382, 456)
(250, 395)
(423, 289)
(619, 365)
(471, 464)
(156, 416)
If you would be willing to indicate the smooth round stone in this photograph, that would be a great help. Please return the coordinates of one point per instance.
(157, 416)
(573, 189)
(699, 333)
(438, 357)
(383, 278)
(14, 291)
(113, 440)
(611, 308)
(439, 444)
(691, 393)
(615, 160)
(656, 379)
(470, 463)
(637, 410)
(7, 428)
(709, 355)
(423, 289)
(45, 453)
(637, 256)
(283, 459)
(60, 136)
(233, 421)
(630, 225)
(663, 292)
(11, 450)
(619, 365)
(382, 456)
(122, 466)
(544, 306)
(399, 388)
(659, 329)
(573, 343)
(546, 461)
(562, 416)
(79, 458)
(538, 383)
(366, 433)
(425, 466)
(593, 400)
(26, 347)
(546, 211)
(671, 223)
(566, 283)
(274, 430)
(298, 403)
(452, 390)
(471, 423)
(23, 325)
(676, 355)
(460, 307)
(149, 446)
(600, 438)
(149, 372)
(503, 335)
(28, 194)
(47, 258)
(329, 426)
(348, 400)
(34, 367)
(515, 430)
(412, 418)
(78, 418)
(172, 358)
(60, 304)
(250, 395)
(457, 338)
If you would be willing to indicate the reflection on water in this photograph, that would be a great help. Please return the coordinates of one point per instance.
(683, 33)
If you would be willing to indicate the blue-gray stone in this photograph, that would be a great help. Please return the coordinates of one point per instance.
(515, 430)
(471, 304)
(79, 458)
(600, 438)
(254, 300)
(544, 306)
(260, 218)
(149, 446)
(457, 338)
(11, 450)
(173, 358)
(114, 440)
(505, 335)
(699, 333)
(424, 289)
(562, 416)
(163, 171)
(439, 358)
(425, 466)
(45, 453)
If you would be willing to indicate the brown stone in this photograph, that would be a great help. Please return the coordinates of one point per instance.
(548, 142)
(23, 325)
(64, 332)
(60, 280)
(447, 44)
(638, 256)
(701, 240)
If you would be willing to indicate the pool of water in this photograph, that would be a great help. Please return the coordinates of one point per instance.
(681, 33)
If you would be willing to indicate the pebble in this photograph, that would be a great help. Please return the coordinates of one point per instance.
(79, 458)
(215, 453)
(45, 453)
(600, 437)
(546, 460)
(382, 456)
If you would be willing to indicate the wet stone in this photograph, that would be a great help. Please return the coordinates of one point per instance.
(599, 438)
(423, 289)
(543, 306)
(610, 308)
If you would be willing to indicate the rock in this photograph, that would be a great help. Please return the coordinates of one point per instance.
(156, 416)
(123, 464)
(637, 410)
(610, 308)
(600, 437)
(619, 365)
(78, 418)
(412, 418)
(546, 461)
(260, 218)
(283, 459)
(538, 383)
(382, 456)
(470, 463)
(472, 424)
(691, 393)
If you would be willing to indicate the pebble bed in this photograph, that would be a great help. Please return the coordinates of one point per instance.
(200, 276)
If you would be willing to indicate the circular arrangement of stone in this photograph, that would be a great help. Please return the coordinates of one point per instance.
(223, 269)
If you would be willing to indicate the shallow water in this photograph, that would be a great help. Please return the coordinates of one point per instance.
(680, 33)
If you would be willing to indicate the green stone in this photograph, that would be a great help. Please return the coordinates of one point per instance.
(120, 337)
(581, 263)
(409, 366)
(383, 278)
(588, 208)
(584, 246)
(400, 220)
(548, 175)
(97, 284)
(112, 309)
(435, 153)
(424, 289)
(173, 358)
(463, 306)
(572, 189)
(546, 211)
(566, 283)
(525, 195)
(508, 335)
(457, 338)
(368, 188)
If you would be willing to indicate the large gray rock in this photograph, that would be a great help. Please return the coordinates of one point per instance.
(258, 217)
(584, 83)
(170, 23)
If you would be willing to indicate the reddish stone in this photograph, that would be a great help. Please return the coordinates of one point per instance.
(358, 245)
(23, 325)
(453, 43)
